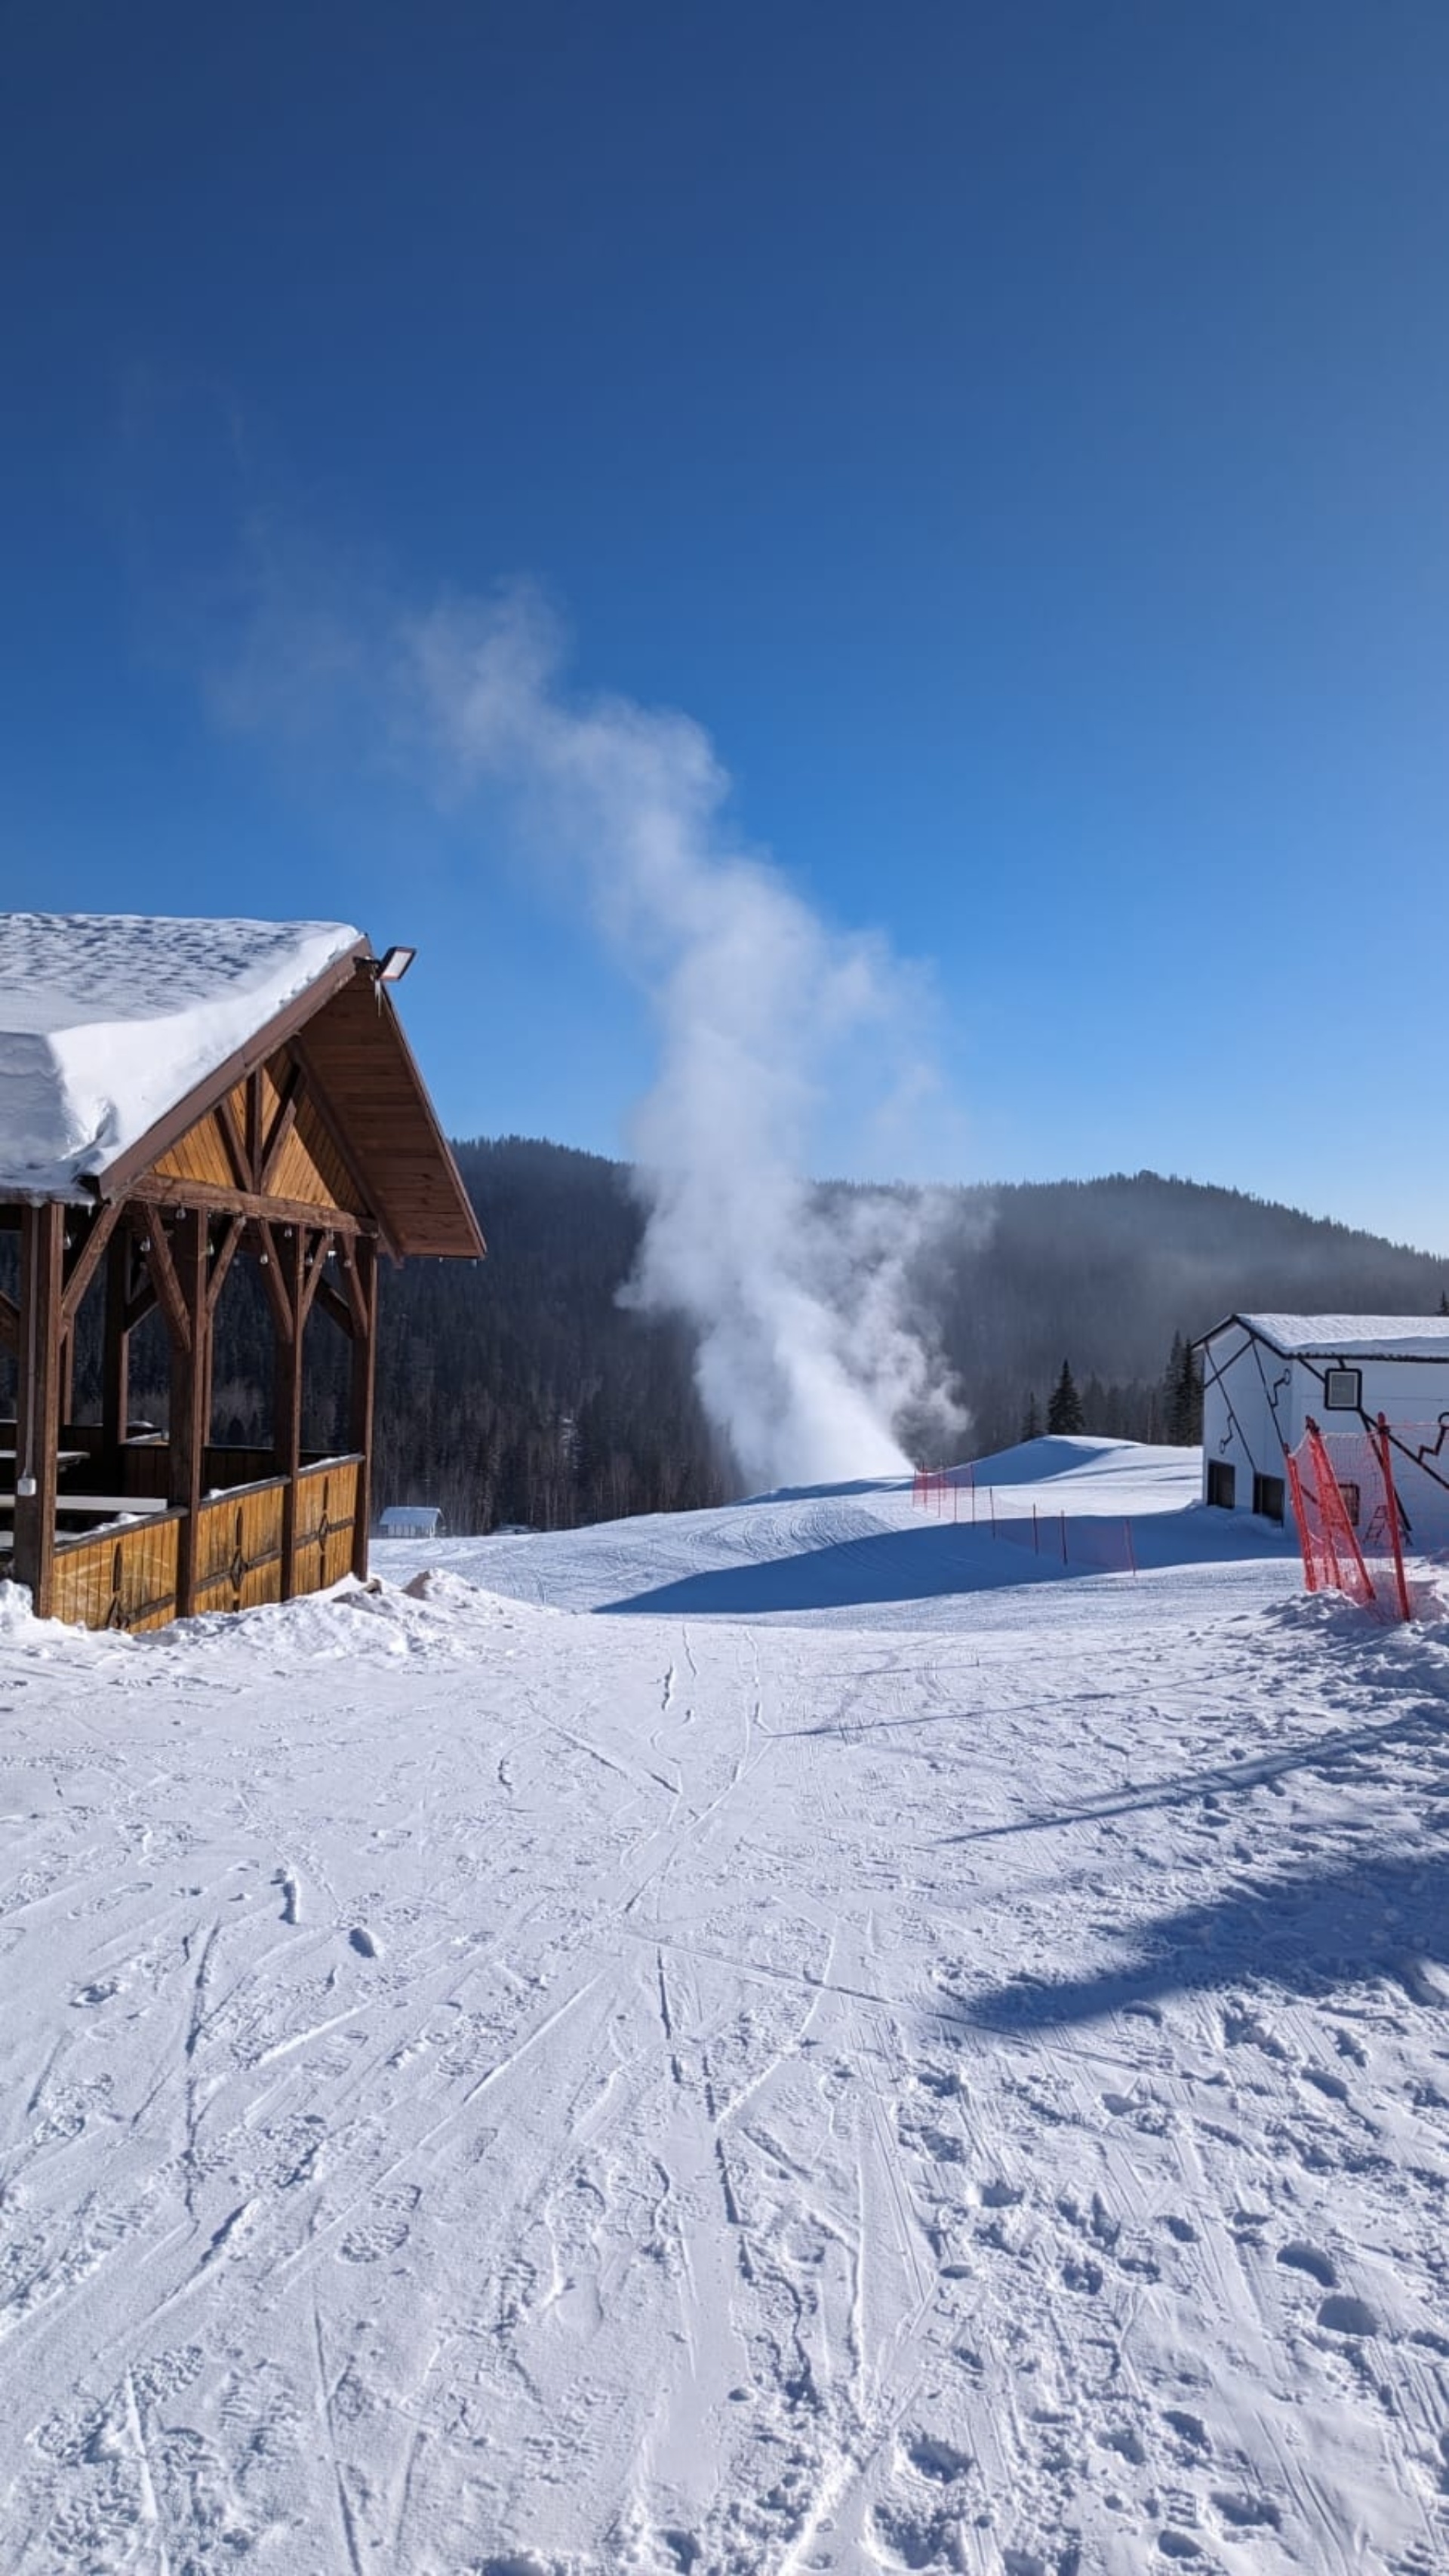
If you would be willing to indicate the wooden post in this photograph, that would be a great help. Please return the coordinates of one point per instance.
(363, 1389)
(190, 1380)
(287, 1395)
(37, 1411)
(116, 1354)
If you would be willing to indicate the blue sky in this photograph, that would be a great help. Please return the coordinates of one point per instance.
(1019, 435)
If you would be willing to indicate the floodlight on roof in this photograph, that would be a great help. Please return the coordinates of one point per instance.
(395, 965)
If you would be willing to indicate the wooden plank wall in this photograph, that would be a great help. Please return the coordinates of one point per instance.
(127, 1577)
(119, 1578)
(239, 1548)
(326, 1512)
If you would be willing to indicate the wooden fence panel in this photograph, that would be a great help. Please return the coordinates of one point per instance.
(326, 1511)
(239, 1548)
(126, 1576)
(119, 1578)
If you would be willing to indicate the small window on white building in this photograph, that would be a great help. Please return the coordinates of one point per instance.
(1352, 1501)
(1342, 1390)
(1269, 1498)
(1221, 1484)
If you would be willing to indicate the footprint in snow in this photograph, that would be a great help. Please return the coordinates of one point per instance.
(1346, 2316)
(1188, 2428)
(935, 2459)
(363, 1942)
(385, 2233)
(1307, 2258)
(1246, 2513)
(1000, 2195)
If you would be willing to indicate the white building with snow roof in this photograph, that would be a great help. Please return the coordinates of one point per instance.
(1263, 1375)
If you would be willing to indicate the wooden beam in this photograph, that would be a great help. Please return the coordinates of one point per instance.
(361, 1395)
(82, 1268)
(256, 1120)
(156, 1252)
(37, 1428)
(269, 1262)
(243, 1172)
(287, 1400)
(116, 1349)
(281, 1127)
(156, 1191)
(357, 1296)
(221, 1262)
(313, 1264)
(190, 1398)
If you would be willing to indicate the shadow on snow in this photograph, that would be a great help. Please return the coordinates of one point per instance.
(1384, 1917)
(1337, 1756)
(890, 1565)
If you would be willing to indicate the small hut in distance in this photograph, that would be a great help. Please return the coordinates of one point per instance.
(411, 1520)
(175, 1095)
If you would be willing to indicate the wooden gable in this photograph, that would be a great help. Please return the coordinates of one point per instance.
(269, 1137)
(324, 1110)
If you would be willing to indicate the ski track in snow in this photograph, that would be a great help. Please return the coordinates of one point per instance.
(954, 2083)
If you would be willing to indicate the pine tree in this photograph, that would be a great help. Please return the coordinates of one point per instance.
(1171, 1380)
(1183, 1390)
(1064, 1413)
(1031, 1419)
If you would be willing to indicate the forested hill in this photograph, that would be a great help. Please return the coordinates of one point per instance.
(519, 1390)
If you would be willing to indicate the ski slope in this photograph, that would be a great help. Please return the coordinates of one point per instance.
(666, 2049)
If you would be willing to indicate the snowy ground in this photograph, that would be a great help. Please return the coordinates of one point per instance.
(813, 2068)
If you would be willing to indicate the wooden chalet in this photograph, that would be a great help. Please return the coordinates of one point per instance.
(174, 1095)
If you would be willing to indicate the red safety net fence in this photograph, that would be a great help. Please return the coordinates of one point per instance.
(1366, 1501)
(1092, 1542)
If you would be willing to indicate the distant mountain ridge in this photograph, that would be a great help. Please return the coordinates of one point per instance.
(522, 1391)
(519, 1389)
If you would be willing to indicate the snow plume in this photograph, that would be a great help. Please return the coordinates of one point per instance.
(812, 1359)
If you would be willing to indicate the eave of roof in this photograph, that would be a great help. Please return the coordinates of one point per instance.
(1332, 1337)
(389, 1132)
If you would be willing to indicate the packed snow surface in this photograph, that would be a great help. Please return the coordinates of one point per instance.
(670, 2049)
(107, 1020)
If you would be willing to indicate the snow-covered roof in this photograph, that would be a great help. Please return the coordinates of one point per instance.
(1358, 1337)
(109, 1020)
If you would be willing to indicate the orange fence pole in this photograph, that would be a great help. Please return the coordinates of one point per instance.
(1392, 1499)
(1300, 1515)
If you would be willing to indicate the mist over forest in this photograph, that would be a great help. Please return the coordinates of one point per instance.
(522, 1390)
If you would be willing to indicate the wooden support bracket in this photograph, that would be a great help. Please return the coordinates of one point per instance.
(221, 1261)
(156, 1251)
(86, 1261)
